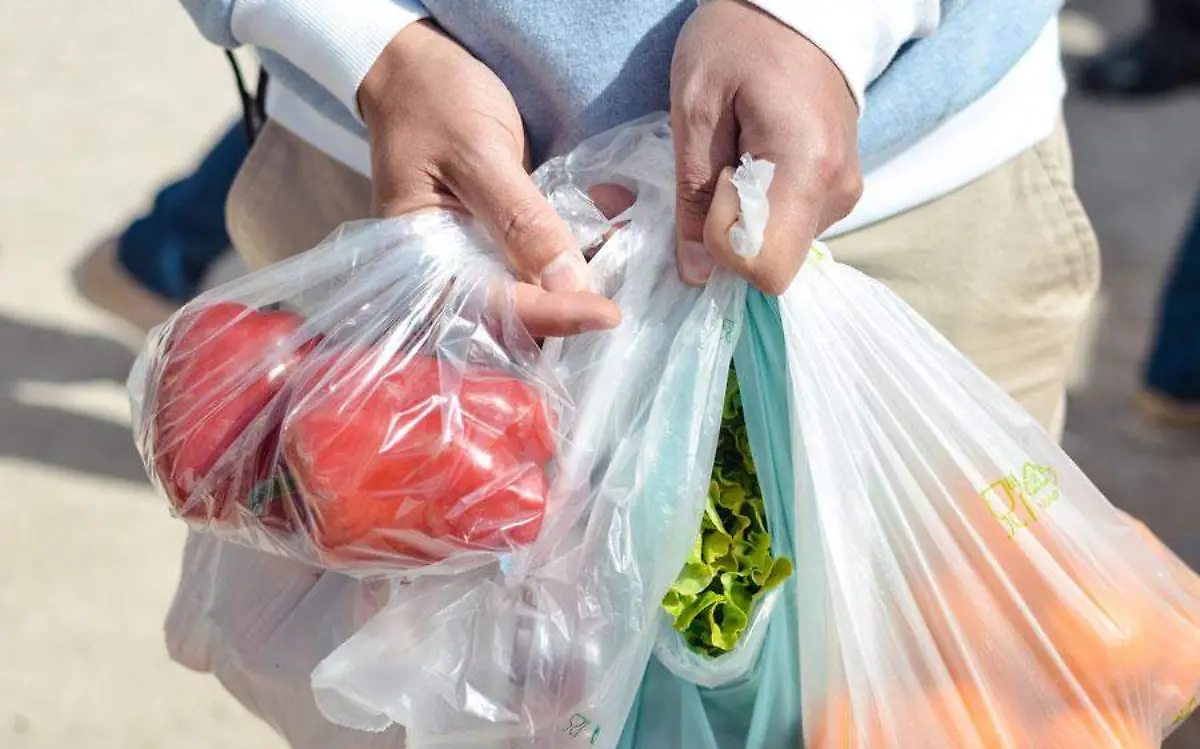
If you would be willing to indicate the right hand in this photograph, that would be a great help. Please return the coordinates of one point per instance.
(445, 133)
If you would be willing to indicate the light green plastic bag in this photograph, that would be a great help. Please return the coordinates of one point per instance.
(761, 711)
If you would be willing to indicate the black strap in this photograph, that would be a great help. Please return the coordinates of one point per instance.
(254, 110)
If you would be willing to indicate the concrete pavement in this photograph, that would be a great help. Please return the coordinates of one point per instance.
(102, 102)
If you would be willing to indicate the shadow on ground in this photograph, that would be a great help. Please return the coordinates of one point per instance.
(53, 436)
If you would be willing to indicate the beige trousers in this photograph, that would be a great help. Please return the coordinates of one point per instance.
(1004, 267)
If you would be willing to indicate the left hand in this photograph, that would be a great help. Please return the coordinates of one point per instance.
(743, 82)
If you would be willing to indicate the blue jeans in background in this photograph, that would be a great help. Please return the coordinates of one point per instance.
(1174, 366)
(171, 248)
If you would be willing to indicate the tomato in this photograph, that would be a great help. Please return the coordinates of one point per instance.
(500, 400)
(215, 423)
(390, 461)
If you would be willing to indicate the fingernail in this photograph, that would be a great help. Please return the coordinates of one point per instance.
(607, 320)
(567, 272)
(599, 325)
(695, 262)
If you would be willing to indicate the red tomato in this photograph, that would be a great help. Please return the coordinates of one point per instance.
(221, 368)
(388, 464)
(501, 401)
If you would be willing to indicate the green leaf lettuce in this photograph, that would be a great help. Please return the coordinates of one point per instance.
(731, 565)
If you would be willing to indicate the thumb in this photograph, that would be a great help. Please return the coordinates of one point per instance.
(790, 230)
(534, 239)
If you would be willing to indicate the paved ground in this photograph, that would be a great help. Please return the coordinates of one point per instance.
(103, 101)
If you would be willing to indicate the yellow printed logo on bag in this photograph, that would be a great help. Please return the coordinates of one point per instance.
(1183, 714)
(1016, 499)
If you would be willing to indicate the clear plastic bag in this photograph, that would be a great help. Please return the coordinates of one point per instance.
(760, 708)
(752, 181)
(717, 611)
(673, 653)
(549, 651)
(961, 583)
(260, 623)
(372, 405)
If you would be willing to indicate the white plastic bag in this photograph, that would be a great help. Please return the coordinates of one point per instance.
(672, 652)
(961, 582)
(260, 623)
(752, 181)
(549, 652)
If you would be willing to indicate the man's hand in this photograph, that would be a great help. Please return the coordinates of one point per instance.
(445, 133)
(742, 82)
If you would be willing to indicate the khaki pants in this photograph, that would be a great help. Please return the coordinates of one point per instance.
(1004, 267)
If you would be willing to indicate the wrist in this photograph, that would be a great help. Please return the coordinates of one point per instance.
(383, 80)
(777, 14)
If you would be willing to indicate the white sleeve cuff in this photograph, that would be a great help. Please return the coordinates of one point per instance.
(860, 36)
(335, 43)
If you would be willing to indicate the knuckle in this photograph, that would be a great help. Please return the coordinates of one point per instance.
(696, 103)
(827, 163)
(690, 97)
(695, 193)
(771, 284)
(854, 187)
(687, 77)
(523, 226)
(850, 193)
(829, 157)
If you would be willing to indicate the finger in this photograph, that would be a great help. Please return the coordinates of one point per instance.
(795, 208)
(705, 137)
(723, 213)
(563, 313)
(534, 239)
(817, 181)
(612, 200)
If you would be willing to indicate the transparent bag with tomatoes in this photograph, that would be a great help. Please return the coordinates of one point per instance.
(369, 406)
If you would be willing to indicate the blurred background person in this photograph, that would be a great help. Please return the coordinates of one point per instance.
(1163, 56)
(1171, 395)
(159, 260)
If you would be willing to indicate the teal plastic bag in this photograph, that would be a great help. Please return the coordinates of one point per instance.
(762, 710)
